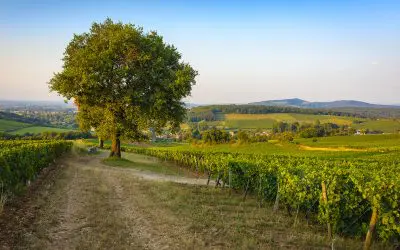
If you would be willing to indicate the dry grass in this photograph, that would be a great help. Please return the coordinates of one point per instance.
(338, 149)
(218, 219)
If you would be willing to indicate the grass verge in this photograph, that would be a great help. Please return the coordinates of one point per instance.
(145, 163)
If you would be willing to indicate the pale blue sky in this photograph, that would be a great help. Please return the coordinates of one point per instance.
(244, 51)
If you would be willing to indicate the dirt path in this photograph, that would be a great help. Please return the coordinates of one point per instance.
(84, 204)
(160, 177)
(148, 175)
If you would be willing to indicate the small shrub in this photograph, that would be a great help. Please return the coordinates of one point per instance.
(243, 136)
(215, 136)
(286, 137)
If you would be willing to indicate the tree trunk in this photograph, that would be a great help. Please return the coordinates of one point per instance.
(116, 146)
(218, 180)
(153, 135)
(247, 189)
(101, 143)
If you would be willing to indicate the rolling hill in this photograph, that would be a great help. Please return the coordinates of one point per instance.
(10, 125)
(296, 102)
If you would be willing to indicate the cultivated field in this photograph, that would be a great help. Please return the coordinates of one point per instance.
(38, 129)
(134, 204)
(228, 196)
(266, 121)
(362, 146)
(9, 125)
(14, 127)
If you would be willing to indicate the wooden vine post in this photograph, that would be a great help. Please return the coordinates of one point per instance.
(230, 181)
(246, 189)
(325, 200)
(217, 183)
(260, 193)
(197, 167)
(372, 223)
(209, 178)
(276, 205)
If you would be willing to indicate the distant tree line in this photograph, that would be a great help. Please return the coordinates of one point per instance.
(207, 115)
(219, 136)
(309, 130)
(210, 113)
(372, 112)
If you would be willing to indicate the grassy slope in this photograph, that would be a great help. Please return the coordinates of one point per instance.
(14, 127)
(146, 163)
(221, 220)
(9, 125)
(361, 141)
(280, 149)
(38, 129)
(376, 146)
(386, 125)
(265, 121)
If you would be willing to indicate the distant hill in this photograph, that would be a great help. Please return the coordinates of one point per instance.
(15, 105)
(191, 105)
(10, 125)
(299, 103)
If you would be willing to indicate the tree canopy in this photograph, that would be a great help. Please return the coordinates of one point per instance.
(134, 79)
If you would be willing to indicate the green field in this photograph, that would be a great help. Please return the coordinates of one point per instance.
(38, 129)
(266, 121)
(14, 128)
(385, 141)
(9, 125)
(356, 146)
(386, 125)
(293, 149)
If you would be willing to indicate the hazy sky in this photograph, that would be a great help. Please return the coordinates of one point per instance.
(244, 51)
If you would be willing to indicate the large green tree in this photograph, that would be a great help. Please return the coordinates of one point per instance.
(134, 77)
